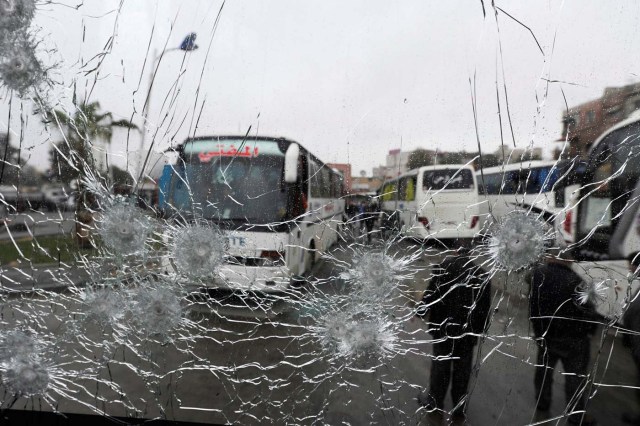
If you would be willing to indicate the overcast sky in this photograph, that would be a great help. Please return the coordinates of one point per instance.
(349, 80)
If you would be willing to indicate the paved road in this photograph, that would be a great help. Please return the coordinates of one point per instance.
(37, 223)
(251, 368)
(52, 277)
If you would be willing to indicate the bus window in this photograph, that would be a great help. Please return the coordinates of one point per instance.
(410, 188)
(325, 190)
(336, 185)
(315, 178)
(538, 179)
(389, 191)
(510, 183)
(493, 183)
(407, 188)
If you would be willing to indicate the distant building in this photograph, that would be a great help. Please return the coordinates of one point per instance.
(396, 164)
(345, 169)
(582, 124)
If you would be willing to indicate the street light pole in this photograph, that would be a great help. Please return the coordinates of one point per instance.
(188, 45)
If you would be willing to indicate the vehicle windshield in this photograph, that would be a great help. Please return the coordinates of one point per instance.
(244, 187)
(320, 212)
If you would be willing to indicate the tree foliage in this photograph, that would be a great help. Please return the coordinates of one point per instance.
(71, 155)
(420, 157)
(488, 160)
(121, 177)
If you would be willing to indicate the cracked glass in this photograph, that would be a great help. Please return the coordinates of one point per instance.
(222, 212)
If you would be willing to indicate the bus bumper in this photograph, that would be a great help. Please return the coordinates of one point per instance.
(461, 232)
(250, 279)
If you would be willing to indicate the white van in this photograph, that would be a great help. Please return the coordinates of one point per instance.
(543, 187)
(439, 202)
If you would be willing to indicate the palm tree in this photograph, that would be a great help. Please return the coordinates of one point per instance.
(72, 157)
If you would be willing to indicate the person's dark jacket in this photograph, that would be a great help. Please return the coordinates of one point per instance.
(631, 320)
(458, 298)
(554, 309)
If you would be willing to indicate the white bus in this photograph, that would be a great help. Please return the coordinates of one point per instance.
(543, 187)
(279, 206)
(439, 202)
(608, 217)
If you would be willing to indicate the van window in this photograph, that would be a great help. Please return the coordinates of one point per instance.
(447, 179)
(389, 191)
(407, 191)
(410, 189)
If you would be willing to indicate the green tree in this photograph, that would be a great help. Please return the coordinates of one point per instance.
(488, 160)
(122, 181)
(121, 177)
(70, 156)
(451, 158)
(419, 157)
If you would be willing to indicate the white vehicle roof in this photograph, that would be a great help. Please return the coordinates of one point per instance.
(634, 117)
(414, 172)
(446, 166)
(523, 165)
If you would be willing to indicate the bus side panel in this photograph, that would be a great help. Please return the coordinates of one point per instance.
(164, 185)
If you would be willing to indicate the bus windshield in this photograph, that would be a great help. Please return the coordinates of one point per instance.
(219, 183)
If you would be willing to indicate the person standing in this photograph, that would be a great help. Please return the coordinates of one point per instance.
(456, 307)
(370, 217)
(631, 320)
(563, 333)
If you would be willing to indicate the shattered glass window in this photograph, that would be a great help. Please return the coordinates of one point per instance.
(223, 212)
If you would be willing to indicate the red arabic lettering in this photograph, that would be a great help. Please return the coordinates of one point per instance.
(205, 157)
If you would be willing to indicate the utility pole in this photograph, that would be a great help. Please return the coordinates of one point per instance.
(188, 45)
